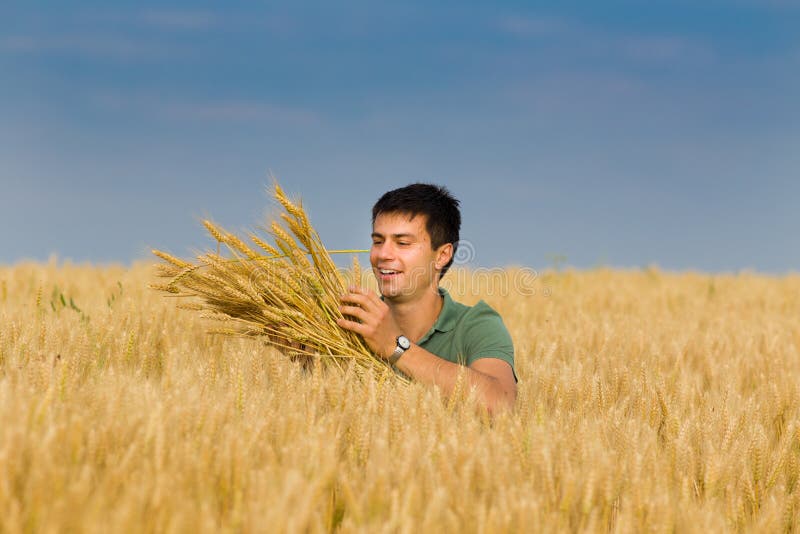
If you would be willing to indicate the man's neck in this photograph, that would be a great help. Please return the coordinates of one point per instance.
(416, 317)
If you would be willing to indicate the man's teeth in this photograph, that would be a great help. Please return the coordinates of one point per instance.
(388, 271)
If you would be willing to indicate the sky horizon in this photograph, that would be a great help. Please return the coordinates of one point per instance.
(627, 135)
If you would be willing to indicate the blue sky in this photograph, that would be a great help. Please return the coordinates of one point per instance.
(622, 133)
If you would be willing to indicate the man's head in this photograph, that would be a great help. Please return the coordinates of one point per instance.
(435, 203)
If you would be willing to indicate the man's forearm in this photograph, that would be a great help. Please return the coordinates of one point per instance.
(428, 368)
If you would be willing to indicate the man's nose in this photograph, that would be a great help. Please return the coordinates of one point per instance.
(385, 251)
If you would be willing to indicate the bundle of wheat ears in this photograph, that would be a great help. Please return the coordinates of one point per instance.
(287, 294)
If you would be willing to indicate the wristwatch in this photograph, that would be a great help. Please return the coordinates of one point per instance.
(403, 344)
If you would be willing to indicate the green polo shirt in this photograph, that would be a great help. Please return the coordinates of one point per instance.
(463, 334)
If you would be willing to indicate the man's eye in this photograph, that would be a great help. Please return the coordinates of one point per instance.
(403, 243)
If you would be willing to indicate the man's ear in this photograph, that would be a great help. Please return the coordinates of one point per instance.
(443, 255)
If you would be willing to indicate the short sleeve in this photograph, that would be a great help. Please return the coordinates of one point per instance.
(486, 336)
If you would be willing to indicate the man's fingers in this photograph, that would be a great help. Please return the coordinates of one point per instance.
(361, 295)
(361, 300)
(356, 298)
(353, 326)
(354, 311)
(369, 295)
(360, 290)
(374, 298)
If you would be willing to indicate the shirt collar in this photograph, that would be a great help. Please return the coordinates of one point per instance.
(448, 316)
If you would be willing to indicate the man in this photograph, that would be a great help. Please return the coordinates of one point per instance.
(416, 326)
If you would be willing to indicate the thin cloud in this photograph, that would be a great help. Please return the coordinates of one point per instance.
(779, 4)
(564, 92)
(663, 48)
(180, 19)
(222, 110)
(578, 37)
(190, 20)
(240, 111)
(96, 46)
(532, 26)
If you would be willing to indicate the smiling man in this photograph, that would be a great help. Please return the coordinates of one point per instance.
(416, 325)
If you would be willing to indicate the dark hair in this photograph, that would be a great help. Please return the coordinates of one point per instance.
(440, 207)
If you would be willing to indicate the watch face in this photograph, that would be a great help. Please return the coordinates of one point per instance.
(404, 343)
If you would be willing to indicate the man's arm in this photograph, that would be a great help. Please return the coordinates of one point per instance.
(492, 378)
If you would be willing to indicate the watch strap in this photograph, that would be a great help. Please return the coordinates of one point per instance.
(399, 350)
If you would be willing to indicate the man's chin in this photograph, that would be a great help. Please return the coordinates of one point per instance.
(390, 291)
(387, 291)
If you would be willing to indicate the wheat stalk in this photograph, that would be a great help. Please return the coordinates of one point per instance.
(288, 296)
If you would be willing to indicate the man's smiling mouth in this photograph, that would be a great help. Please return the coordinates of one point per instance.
(387, 274)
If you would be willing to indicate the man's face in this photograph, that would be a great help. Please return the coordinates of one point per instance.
(401, 256)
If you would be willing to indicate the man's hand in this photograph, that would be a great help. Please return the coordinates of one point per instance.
(377, 326)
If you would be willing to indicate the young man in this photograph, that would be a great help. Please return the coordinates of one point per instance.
(416, 326)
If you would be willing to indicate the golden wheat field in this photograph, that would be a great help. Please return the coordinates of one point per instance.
(648, 401)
